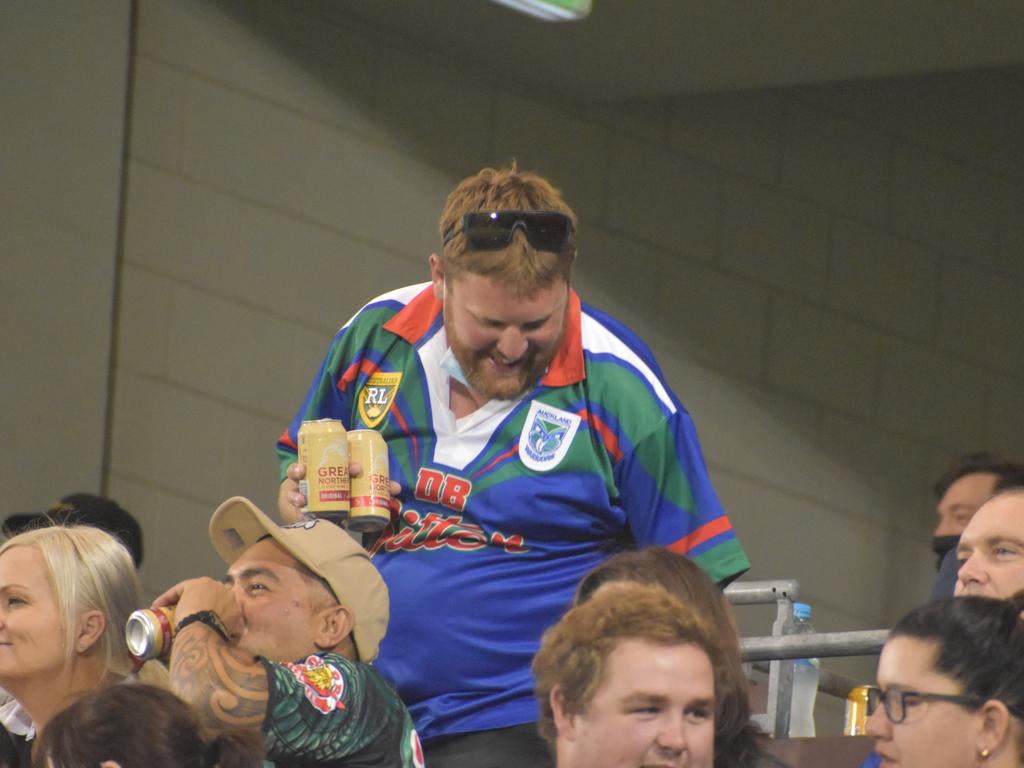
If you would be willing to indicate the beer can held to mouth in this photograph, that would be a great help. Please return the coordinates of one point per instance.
(149, 632)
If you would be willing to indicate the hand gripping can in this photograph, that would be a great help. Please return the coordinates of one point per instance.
(371, 492)
(858, 702)
(148, 633)
(323, 448)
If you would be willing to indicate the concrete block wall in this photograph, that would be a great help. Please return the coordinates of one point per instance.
(829, 275)
(829, 282)
(63, 82)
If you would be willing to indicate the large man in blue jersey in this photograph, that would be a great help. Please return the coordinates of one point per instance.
(532, 436)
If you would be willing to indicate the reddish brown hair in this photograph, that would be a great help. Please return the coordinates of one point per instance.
(520, 266)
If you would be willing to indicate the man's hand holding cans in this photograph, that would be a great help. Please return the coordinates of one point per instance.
(290, 502)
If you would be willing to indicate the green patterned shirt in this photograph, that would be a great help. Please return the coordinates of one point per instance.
(326, 710)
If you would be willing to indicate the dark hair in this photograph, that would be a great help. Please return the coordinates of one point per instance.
(84, 509)
(141, 726)
(979, 643)
(1011, 480)
(970, 464)
(736, 737)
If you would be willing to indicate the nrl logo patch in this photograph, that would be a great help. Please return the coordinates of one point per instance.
(546, 436)
(376, 397)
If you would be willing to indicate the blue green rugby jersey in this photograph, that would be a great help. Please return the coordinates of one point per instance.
(502, 511)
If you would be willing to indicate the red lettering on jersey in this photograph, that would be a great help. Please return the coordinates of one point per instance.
(513, 544)
(467, 539)
(455, 492)
(439, 488)
(428, 485)
(433, 531)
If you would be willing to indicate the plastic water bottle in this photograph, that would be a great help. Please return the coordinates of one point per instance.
(805, 679)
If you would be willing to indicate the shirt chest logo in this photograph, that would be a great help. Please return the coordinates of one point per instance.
(323, 684)
(377, 396)
(546, 436)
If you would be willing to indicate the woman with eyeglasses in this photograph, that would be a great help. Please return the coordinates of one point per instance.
(951, 687)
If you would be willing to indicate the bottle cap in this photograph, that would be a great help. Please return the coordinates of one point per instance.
(801, 611)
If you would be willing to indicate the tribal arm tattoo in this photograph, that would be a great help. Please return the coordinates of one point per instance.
(227, 688)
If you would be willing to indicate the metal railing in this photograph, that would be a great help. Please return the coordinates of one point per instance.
(782, 647)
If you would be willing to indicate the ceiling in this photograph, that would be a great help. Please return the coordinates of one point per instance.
(640, 49)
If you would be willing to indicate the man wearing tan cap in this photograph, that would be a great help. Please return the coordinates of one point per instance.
(282, 644)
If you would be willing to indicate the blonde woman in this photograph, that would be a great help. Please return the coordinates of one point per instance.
(65, 595)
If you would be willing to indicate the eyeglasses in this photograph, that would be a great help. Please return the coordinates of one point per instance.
(493, 230)
(896, 702)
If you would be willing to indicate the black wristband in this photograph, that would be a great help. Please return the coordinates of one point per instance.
(209, 618)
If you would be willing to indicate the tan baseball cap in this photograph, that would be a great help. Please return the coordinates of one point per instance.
(324, 548)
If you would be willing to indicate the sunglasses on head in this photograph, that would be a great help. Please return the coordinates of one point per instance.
(493, 230)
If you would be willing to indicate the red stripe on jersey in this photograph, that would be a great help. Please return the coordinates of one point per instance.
(611, 442)
(567, 367)
(286, 439)
(404, 426)
(702, 534)
(497, 460)
(364, 366)
(416, 317)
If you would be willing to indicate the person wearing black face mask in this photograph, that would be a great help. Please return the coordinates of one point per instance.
(959, 492)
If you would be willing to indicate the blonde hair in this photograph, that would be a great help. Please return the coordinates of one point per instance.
(88, 570)
(520, 265)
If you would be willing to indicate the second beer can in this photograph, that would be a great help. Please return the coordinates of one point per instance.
(148, 633)
(323, 448)
(858, 702)
(371, 491)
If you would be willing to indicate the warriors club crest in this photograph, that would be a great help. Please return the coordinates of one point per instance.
(377, 396)
(546, 436)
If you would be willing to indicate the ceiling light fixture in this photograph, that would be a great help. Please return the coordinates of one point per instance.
(550, 10)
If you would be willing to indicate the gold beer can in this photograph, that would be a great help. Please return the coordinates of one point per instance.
(857, 710)
(371, 492)
(148, 633)
(323, 448)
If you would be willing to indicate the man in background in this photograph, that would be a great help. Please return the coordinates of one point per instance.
(968, 484)
(84, 509)
(991, 549)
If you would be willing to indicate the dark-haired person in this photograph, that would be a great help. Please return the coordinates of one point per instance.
(951, 683)
(141, 726)
(532, 436)
(960, 492)
(738, 742)
(84, 509)
(282, 646)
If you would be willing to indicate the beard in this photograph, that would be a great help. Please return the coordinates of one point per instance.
(493, 384)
